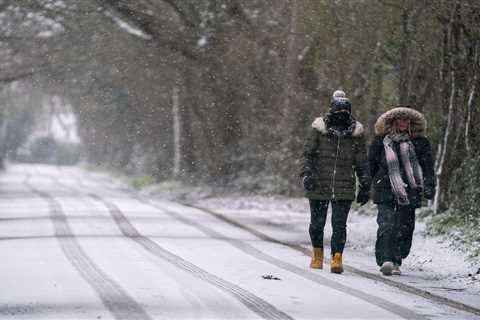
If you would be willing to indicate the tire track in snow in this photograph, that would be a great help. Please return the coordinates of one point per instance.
(251, 301)
(130, 231)
(252, 251)
(315, 277)
(404, 287)
(401, 286)
(114, 298)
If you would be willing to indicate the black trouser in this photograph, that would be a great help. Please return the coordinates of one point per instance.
(394, 234)
(318, 217)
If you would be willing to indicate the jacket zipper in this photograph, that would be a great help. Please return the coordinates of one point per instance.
(335, 168)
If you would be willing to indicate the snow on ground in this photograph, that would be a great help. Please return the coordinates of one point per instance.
(433, 264)
(100, 251)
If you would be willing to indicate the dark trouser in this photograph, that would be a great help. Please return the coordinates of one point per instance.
(394, 234)
(318, 217)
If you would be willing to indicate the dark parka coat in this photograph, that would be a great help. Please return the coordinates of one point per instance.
(333, 161)
(382, 190)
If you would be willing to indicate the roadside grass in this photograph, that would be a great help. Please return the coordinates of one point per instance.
(462, 232)
(140, 182)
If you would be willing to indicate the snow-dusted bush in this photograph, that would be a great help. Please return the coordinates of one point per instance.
(462, 220)
(465, 189)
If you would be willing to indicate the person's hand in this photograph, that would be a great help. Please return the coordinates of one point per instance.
(309, 183)
(428, 193)
(363, 196)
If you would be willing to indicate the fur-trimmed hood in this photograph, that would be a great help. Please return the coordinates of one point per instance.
(319, 124)
(384, 123)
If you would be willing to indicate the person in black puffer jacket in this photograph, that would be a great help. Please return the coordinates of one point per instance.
(334, 152)
(401, 167)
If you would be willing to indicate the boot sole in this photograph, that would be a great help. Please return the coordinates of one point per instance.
(387, 268)
(336, 270)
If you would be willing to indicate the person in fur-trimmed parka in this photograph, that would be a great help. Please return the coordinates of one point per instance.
(334, 153)
(401, 167)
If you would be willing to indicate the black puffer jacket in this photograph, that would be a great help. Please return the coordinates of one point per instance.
(382, 190)
(334, 160)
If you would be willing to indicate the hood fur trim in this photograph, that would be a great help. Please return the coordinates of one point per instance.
(320, 125)
(384, 124)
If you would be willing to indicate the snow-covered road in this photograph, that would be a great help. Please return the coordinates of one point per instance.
(74, 247)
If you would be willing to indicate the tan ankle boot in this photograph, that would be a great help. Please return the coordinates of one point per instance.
(317, 258)
(336, 265)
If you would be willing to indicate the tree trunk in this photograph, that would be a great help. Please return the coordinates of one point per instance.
(443, 147)
(286, 127)
(291, 61)
(184, 157)
(176, 131)
(471, 102)
(404, 81)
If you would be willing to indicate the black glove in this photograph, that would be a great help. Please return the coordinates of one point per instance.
(309, 183)
(363, 196)
(428, 193)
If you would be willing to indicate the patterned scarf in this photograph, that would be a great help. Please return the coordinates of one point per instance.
(413, 171)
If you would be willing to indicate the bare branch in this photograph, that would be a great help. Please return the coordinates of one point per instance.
(390, 4)
(16, 77)
(145, 22)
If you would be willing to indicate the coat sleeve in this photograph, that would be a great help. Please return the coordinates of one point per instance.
(361, 163)
(424, 154)
(309, 155)
(374, 152)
